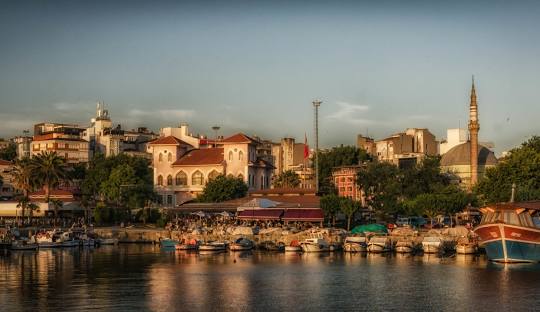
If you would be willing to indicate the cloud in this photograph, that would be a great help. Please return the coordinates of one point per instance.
(350, 113)
(166, 114)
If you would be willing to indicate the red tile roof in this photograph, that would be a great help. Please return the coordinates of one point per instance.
(197, 157)
(168, 140)
(238, 138)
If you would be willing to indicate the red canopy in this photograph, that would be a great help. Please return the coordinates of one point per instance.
(261, 214)
(310, 215)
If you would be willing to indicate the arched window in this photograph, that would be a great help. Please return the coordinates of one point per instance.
(241, 177)
(230, 175)
(169, 157)
(160, 180)
(197, 178)
(212, 175)
(169, 179)
(181, 178)
(160, 157)
(240, 155)
(230, 156)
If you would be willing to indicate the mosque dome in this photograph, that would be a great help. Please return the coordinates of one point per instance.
(461, 155)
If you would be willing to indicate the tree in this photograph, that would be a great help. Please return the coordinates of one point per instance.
(22, 203)
(57, 204)
(349, 207)
(330, 204)
(383, 185)
(50, 171)
(522, 167)
(9, 153)
(223, 188)
(31, 208)
(337, 156)
(288, 179)
(24, 179)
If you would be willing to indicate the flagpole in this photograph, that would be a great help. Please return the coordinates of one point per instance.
(316, 105)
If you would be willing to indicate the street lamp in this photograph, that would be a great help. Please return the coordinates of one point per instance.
(316, 105)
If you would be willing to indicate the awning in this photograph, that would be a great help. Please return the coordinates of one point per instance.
(261, 214)
(309, 215)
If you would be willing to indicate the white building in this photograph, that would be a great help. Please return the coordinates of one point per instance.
(454, 137)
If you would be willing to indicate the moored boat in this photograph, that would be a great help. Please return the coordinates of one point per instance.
(355, 244)
(168, 243)
(315, 245)
(294, 246)
(432, 244)
(466, 246)
(241, 244)
(508, 233)
(108, 241)
(272, 246)
(185, 244)
(47, 239)
(379, 244)
(213, 246)
(68, 240)
(405, 245)
(23, 244)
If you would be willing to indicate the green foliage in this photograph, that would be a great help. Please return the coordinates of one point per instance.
(9, 153)
(349, 207)
(148, 215)
(330, 204)
(445, 201)
(49, 170)
(287, 179)
(337, 156)
(223, 188)
(122, 179)
(521, 167)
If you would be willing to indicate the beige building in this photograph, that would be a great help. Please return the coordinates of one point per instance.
(454, 137)
(8, 188)
(289, 155)
(367, 144)
(181, 171)
(406, 148)
(63, 139)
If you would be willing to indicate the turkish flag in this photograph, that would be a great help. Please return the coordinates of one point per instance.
(306, 147)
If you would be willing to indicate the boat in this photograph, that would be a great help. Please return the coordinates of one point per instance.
(213, 246)
(185, 244)
(432, 244)
(315, 245)
(67, 239)
(379, 244)
(294, 246)
(272, 246)
(466, 246)
(508, 232)
(168, 243)
(405, 245)
(241, 244)
(108, 241)
(23, 244)
(355, 244)
(47, 239)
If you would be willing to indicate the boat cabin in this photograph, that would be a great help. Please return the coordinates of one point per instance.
(519, 213)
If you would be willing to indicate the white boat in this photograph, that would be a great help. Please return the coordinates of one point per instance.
(379, 244)
(213, 246)
(431, 244)
(23, 244)
(68, 240)
(315, 245)
(191, 244)
(108, 241)
(405, 245)
(47, 239)
(355, 244)
(466, 246)
(241, 244)
(293, 247)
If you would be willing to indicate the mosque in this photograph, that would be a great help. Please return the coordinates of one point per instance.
(467, 162)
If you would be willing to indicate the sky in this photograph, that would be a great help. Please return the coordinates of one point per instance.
(379, 67)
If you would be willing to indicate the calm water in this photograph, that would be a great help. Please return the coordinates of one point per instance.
(137, 277)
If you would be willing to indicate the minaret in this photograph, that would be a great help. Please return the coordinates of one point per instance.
(474, 126)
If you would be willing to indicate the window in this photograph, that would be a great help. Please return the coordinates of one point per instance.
(241, 177)
(212, 175)
(230, 156)
(169, 157)
(160, 180)
(181, 178)
(169, 179)
(241, 155)
(160, 159)
(169, 199)
(197, 178)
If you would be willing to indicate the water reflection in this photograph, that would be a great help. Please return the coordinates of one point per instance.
(145, 277)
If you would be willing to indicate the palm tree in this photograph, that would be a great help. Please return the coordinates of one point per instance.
(24, 179)
(56, 203)
(31, 207)
(50, 170)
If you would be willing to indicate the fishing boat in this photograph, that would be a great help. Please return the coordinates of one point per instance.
(108, 241)
(241, 244)
(355, 244)
(379, 244)
(213, 246)
(68, 239)
(405, 245)
(466, 246)
(23, 244)
(47, 239)
(294, 246)
(272, 246)
(508, 233)
(185, 244)
(315, 245)
(432, 244)
(168, 243)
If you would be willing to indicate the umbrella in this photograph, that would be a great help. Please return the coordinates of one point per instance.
(224, 214)
(199, 213)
